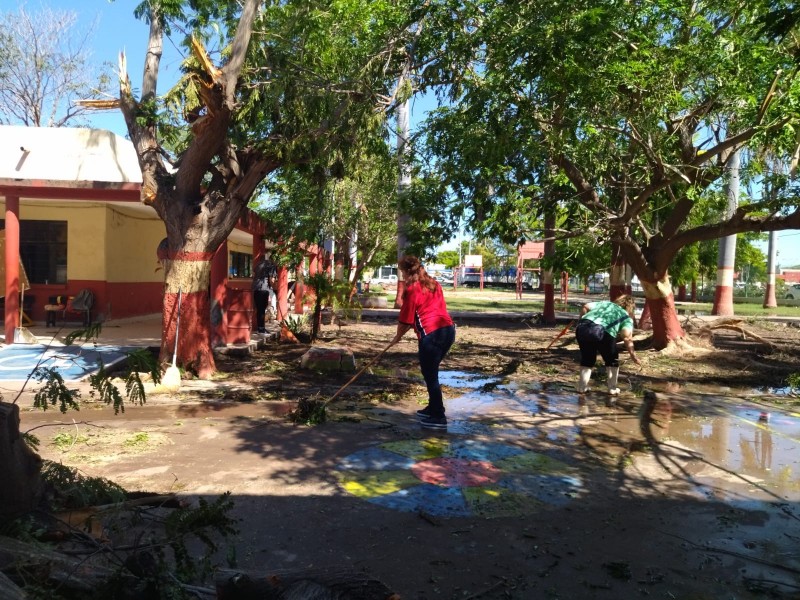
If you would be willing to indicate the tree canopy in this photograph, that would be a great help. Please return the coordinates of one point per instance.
(636, 108)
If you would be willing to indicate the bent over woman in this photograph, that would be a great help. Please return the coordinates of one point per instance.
(425, 310)
(600, 325)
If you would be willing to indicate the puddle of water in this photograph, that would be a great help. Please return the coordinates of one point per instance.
(770, 391)
(462, 379)
(742, 444)
(729, 446)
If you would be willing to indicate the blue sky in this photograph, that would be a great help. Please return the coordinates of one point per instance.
(117, 29)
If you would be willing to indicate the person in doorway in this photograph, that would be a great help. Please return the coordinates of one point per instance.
(601, 324)
(424, 310)
(265, 276)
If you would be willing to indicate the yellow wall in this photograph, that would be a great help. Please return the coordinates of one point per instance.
(108, 242)
(104, 242)
(131, 245)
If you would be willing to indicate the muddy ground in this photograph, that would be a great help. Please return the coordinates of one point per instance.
(603, 499)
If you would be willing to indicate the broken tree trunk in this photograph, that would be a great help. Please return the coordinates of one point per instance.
(319, 584)
(20, 468)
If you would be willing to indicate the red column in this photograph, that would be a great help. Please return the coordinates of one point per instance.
(219, 277)
(12, 267)
(259, 249)
(298, 290)
(283, 293)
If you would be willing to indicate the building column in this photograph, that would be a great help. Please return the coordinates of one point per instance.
(219, 279)
(12, 267)
(259, 250)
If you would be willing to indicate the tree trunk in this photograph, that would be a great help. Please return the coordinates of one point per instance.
(663, 316)
(549, 313)
(299, 584)
(403, 185)
(723, 295)
(770, 300)
(188, 273)
(20, 468)
(617, 287)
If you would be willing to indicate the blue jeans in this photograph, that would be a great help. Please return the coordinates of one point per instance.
(432, 349)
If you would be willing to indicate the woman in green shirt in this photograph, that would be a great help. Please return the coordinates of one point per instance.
(597, 332)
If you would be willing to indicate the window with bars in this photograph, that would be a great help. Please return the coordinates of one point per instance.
(43, 250)
(240, 264)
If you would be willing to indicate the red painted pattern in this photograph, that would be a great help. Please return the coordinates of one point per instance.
(192, 256)
(456, 472)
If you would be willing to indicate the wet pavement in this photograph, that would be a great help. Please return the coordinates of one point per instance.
(723, 447)
(517, 453)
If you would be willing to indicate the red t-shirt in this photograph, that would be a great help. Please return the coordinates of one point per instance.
(424, 309)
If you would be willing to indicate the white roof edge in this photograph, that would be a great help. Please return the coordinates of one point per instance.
(67, 154)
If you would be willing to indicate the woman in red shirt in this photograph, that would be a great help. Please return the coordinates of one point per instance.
(425, 310)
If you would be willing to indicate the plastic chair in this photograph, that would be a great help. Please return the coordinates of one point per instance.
(81, 304)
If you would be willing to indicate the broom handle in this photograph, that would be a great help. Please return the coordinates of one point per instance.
(364, 368)
(563, 331)
(177, 328)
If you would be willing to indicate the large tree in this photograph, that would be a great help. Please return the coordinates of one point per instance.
(639, 106)
(267, 86)
(45, 64)
(350, 199)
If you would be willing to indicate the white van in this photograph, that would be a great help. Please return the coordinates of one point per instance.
(386, 275)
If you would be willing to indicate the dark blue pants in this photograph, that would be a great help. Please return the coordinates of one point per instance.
(592, 338)
(260, 299)
(432, 349)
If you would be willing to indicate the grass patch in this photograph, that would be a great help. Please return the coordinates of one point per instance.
(137, 440)
(64, 441)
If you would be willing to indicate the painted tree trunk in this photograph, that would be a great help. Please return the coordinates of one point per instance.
(549, 311)
(617, 278)
(188, 273)
(663, 316)
(770, 301)
(645, 324)
(682, 292)
(723, 295)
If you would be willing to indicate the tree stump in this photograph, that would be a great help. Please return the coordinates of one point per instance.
(20, 468)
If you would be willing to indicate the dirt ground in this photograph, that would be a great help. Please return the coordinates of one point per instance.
(630, 514)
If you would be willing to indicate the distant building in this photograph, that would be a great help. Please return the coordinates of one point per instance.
(791, 275)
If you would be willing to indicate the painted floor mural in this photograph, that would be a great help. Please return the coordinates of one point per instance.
(73, 362)
(458, 478)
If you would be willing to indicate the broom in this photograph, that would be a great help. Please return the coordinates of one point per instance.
(172, 376)
(21, 334)
(312, 410)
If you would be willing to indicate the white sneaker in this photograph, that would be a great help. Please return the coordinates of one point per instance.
(614, 391)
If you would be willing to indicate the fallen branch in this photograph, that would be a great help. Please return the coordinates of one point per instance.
(9, 590)
(54, 567)
(734, 325)
(299, 584)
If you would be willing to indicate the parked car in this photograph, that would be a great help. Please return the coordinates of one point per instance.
(386, 275)
(793, 293)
